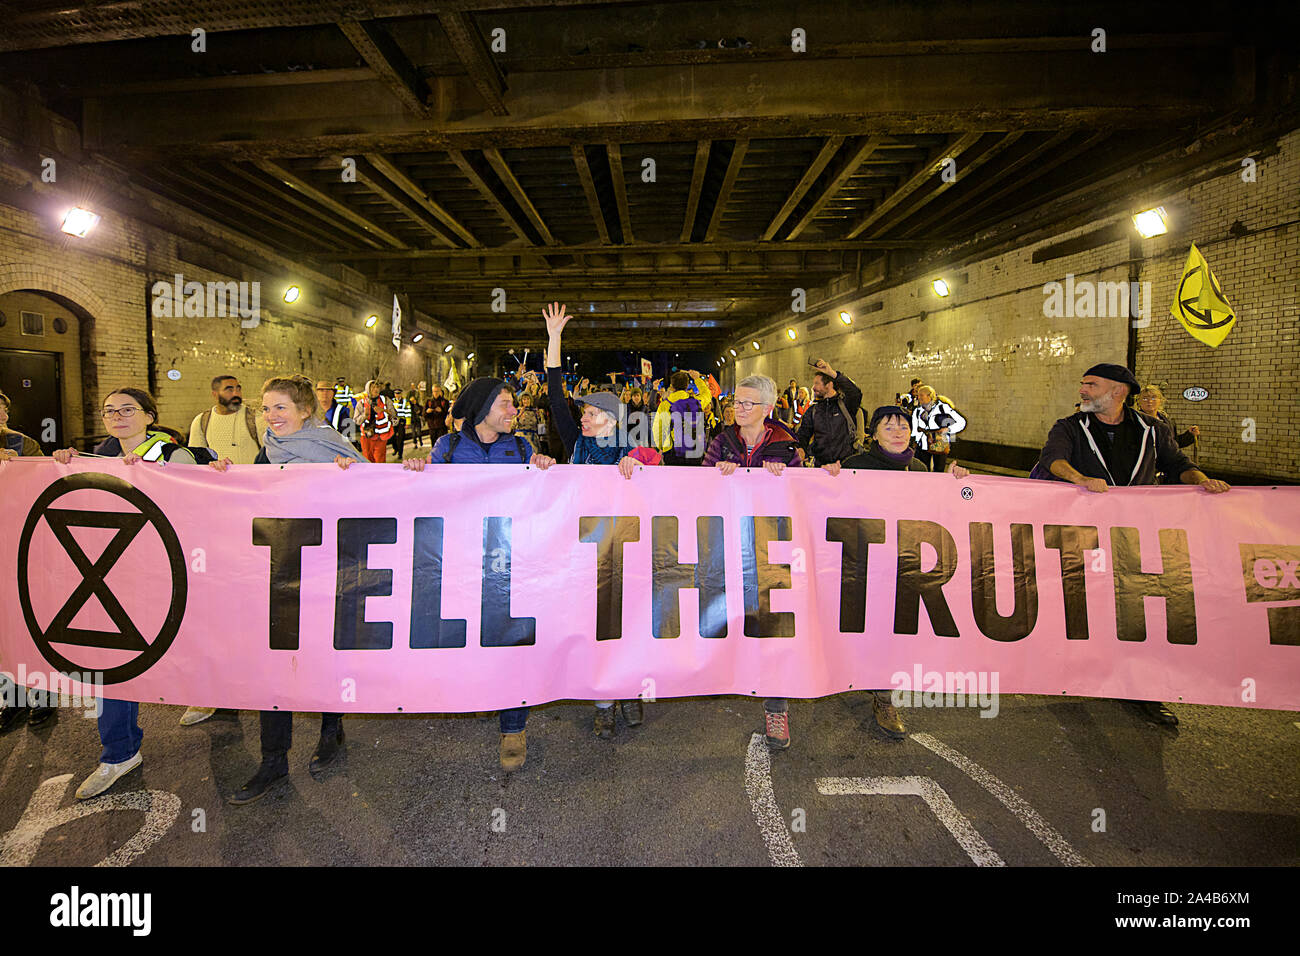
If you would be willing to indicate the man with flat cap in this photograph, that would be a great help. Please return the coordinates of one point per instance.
(487, 406)
(1107, 442)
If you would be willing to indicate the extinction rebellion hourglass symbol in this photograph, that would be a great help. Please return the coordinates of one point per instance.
(126, 526)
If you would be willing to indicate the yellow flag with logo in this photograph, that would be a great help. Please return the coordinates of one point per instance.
(1200, 304)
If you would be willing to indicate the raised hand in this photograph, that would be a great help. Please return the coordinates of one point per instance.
(556, 318)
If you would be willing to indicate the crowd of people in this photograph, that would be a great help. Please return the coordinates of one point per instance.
(521, 419)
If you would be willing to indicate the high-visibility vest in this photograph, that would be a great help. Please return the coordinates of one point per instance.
(403, 409)
(151, 449)
(342, 393)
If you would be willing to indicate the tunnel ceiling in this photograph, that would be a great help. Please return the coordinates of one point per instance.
(616, 157)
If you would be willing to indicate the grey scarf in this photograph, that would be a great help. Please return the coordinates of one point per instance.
(313, 443)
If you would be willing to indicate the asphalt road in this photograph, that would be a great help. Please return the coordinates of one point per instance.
(1048, 782)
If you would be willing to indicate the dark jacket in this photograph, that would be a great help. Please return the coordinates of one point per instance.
(580, 449)
(339, 417)
(468, 449)
(823, 430)
(1080, 440)
(778, 444)
(112, 448)
(17, 441)
(873, 459)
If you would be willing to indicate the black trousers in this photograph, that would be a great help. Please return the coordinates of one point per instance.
(277, 733)
(935, 461)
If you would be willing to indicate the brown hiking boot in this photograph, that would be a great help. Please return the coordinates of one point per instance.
(514, 750)
(886, 715)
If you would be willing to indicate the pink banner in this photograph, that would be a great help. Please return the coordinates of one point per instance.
(472, 588)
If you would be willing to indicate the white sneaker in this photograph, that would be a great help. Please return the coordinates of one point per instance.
(196, 715)
(105, 776)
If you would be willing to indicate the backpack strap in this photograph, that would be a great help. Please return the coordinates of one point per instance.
(523, 454)
(250, 419)
(203, 423)
(451, 448)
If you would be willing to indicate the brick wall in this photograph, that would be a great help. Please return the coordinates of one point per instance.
(109, 274)
(1013, 371)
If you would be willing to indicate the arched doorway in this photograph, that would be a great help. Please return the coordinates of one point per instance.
(47, 368)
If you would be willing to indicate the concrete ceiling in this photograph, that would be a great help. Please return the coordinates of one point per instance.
(526, 169)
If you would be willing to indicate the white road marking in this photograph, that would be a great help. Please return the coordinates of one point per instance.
(1026, 814)
(758, 784)
(935, 797)
(21, 843)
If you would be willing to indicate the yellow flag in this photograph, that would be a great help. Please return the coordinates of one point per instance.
(1200, 304)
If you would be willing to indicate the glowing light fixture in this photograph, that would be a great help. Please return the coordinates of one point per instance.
(470, 357)
(846, 318)
(791, 334)
(940, 288)
(448, 349)
(292, 294)
(755, 344)
(371, 320)
(733, 352)
(417, 337)
(1152, 222)
(77, 222)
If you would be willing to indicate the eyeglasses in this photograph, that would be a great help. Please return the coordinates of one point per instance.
(746, 406)
(126, 411)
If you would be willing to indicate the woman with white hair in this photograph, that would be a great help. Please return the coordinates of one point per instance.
(1151, 401)
(934, 425)
(756, 440)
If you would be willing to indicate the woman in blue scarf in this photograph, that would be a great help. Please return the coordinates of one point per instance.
(595, 440)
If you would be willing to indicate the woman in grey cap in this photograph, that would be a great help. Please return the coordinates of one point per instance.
(594, 440)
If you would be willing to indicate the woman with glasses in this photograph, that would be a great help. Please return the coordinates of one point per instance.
(756, 440)
(129, 414)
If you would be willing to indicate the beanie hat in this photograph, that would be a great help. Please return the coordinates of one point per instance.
(883, 412)
(1116, 373)
(476, 400)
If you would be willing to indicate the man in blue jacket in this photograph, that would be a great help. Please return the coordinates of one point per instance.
(488, 407)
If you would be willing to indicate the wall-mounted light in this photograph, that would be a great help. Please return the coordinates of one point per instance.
(791, 334)
(371, 320)
(846, 318)
(940, 288)
(724, 360)
(77, 222)
(292, 294)
(755, 344)
(733, 352)
(1152, 222)
(470, 357)
(448, 349)
(418, 336)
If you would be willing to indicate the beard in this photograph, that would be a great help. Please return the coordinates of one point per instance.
(231, 403)
(1090, 405)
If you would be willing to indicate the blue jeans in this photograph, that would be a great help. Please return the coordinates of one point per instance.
(119, 730)
(513, 720)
